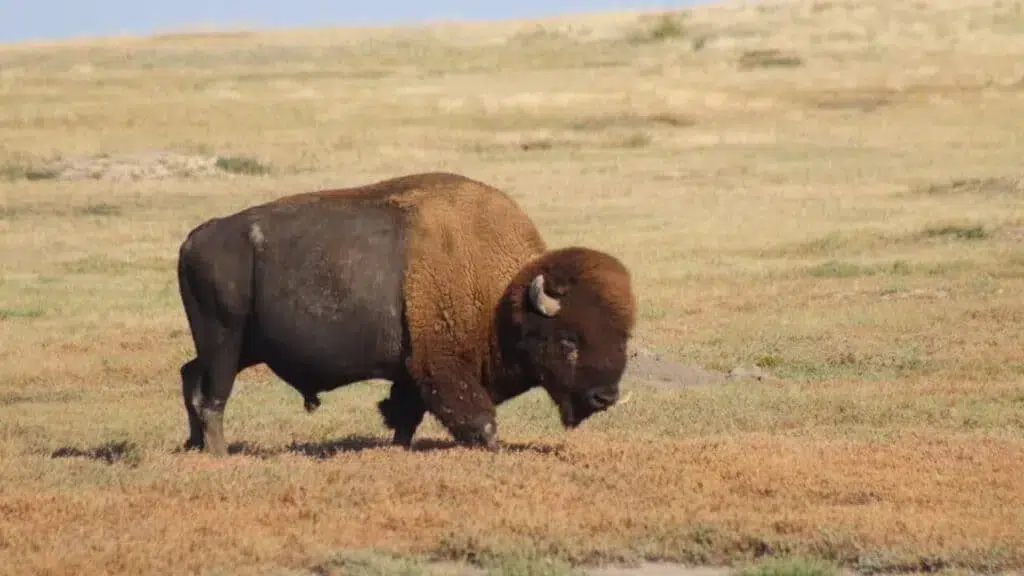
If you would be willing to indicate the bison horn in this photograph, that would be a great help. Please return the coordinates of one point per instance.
(624, 399)
(545, 304)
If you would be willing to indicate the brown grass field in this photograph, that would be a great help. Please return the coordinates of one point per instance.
(829, 192)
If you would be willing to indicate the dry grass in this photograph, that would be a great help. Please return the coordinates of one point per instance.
(830, 190)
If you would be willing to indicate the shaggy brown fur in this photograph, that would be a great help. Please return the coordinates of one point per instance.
(465, 244)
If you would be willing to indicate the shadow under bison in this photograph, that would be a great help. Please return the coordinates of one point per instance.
(644, 366)
(129, 453)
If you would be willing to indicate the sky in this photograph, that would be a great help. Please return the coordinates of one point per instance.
(22, 20)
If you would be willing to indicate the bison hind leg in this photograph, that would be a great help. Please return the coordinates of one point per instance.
(191, 391)
(217, 367)
(403, 411)
(310, 401)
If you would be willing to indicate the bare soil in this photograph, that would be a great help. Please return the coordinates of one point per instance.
(133, 167)
(652, 367)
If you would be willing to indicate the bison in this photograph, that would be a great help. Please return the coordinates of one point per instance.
(435, 282)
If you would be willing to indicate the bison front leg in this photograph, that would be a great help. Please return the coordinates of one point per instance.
(466, 410)
(478, 430)
(403, 411)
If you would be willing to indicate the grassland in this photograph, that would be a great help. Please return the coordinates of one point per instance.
(832, 191)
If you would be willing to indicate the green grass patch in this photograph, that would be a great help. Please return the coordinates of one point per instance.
(838, 269)
(243, 165)
(371, 563)
(795, 566)
(957, 232)
(661, 28)
(99, 209)
(14, 171)
(771, 58)
(529, 565)
(844, 269)
(20, 313)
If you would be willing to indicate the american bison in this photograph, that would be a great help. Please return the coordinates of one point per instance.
(436, 282)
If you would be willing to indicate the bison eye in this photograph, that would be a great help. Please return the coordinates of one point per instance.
(570, 349)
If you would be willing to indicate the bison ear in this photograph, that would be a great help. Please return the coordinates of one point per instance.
(541, 300)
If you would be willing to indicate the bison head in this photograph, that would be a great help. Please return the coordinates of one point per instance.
(566, 319)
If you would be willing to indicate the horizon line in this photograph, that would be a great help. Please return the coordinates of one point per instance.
(227, 29)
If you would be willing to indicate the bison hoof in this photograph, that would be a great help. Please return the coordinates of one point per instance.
(403, 438)
(192, 445)
(311, 403)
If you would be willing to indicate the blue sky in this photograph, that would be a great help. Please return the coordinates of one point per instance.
(50, 19)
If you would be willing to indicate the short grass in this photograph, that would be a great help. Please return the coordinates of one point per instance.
(830, 190)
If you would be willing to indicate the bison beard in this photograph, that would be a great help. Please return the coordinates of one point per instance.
(436, 282)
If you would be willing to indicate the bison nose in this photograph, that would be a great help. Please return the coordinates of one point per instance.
(600, 399)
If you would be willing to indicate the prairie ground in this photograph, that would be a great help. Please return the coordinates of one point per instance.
(828, 193)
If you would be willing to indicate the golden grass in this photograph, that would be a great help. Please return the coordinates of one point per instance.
(596, 497)
(830, 190)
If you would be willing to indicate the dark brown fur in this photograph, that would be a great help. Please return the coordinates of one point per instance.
(471, 338)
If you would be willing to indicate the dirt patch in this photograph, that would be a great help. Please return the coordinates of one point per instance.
(158, 165)
(651, 367)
